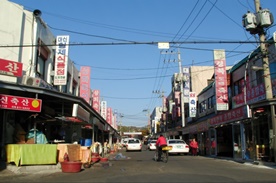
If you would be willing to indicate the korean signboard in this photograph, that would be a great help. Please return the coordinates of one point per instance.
(10, 68)
(186, 84)
(103, 109)
(85, 83)
(109, 115)
(231, 115)
(20, 103)
(253, 94)
(220, 80)
(192, 104)
(96, 100)
(61, 61)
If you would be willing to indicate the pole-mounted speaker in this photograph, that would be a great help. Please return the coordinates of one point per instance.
(37, 13)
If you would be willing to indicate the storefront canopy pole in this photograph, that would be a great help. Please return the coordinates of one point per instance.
(62, 109)
(93, 128)
(34, 130)
(36, 96)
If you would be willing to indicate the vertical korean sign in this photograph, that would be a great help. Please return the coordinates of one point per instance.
(186, 84)
(96, 100)
(103, 109)
(192, 104)
(11, 68)
(85, 83)
(220, 80)
(61, 61)
(109, 115)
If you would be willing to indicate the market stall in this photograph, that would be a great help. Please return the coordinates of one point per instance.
(31, 154)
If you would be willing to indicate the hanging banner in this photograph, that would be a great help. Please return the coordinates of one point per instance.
(109, 115)
(192, 104)
(103, 109)
(96, 100)
(85, 83)
(220, 80)
(61, 62)
(186, 84)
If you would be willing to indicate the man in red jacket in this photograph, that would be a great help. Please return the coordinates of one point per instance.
(161, 142)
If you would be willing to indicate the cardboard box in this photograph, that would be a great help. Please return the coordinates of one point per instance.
(73, 151)
(30, 141)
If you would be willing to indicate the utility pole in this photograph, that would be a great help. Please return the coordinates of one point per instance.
(264, 52)
(162, 96)
(255, 23)
(267, 78)
(180, 81)
(181, 89)
(149, 120)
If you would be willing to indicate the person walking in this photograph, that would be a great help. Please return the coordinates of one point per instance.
(161, 142)
(194, 147)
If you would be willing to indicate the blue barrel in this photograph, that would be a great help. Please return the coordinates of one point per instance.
(88, 142)
(82, 141)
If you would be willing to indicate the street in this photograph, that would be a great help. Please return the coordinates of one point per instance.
(140, 167)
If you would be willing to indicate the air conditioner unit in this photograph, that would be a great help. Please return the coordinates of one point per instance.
(31, 81)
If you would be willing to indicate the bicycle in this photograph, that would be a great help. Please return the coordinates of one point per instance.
(164, 154)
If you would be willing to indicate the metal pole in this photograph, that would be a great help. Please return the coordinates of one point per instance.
(181, 90)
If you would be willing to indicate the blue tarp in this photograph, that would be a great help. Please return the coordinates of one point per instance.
(40, 137)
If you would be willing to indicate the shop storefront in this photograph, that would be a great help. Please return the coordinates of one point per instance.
(263, 132)
(56, 123)
(230, 134)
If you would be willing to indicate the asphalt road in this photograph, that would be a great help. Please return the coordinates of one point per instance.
(140, 167)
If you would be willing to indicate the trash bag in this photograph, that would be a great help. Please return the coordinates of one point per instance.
(119, 156)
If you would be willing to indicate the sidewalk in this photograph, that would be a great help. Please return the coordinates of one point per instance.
(260, 164)
(12, 169)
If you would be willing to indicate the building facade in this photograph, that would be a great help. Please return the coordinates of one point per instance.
(29, 97)
(246, 129)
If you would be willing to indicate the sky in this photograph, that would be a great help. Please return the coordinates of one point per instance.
(119, 43)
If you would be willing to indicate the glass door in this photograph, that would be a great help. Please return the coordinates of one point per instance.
(237, 140)
(213, 141)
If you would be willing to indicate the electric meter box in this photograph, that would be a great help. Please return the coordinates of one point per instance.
(249, 21)
(264, 18)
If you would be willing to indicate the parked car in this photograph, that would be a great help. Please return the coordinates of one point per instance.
(151, 145)
(133, 145)
(124, 141)
(179, 146)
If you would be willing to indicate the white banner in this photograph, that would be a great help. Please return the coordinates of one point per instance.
(186, 84)
(192, 104)
(103, 109)
(61, 61)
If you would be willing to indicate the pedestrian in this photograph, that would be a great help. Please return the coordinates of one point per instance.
(161, 142)
(194, 147)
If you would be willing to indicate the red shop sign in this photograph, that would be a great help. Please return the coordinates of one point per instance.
(10, 68)
(20, 103)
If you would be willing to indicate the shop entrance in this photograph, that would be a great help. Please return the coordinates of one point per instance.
(238, 139)
(224, 141)
(261, 132)
(212, 141)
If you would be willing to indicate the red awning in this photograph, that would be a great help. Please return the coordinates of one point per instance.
(74, 119)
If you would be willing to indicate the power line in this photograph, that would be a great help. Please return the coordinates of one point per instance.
(138, 98)
(141, 43)
(113, 79)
